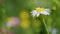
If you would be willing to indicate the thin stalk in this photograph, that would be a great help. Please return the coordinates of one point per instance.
(45, 26)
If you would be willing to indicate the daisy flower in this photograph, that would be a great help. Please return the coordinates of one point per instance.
(12, 21)
(39, 11)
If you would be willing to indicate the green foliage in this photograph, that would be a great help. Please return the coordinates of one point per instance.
(13, 8)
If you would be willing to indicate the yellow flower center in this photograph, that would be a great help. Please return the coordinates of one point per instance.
(40, 9)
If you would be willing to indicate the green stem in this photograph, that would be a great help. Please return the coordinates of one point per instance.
(45, 26)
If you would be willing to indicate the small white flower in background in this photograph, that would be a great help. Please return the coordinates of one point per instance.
(12, 21)
(54, 31)
(39, 11)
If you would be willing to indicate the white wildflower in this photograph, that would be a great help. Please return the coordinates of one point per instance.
(54, 31)
(39, 11)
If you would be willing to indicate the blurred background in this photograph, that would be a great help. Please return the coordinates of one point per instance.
(15, 17)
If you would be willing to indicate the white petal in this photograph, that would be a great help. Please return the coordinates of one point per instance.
(45, 13)
(48, 10)
(38, 14)
(34, 13)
